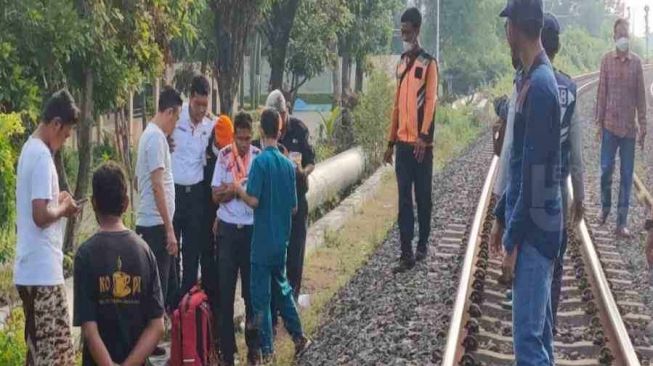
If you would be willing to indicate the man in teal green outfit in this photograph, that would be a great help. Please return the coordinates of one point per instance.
(271, 193)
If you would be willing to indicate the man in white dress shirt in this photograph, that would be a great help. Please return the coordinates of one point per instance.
(191, 137)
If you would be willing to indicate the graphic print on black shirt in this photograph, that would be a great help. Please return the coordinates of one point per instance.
(117, 286)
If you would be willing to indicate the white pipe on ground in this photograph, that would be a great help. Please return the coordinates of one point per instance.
(335, 175)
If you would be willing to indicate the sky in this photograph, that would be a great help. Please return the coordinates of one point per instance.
(637, 14)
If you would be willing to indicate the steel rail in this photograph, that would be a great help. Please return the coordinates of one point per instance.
(619, 340)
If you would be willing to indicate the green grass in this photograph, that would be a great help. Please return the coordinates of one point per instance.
(458, 128)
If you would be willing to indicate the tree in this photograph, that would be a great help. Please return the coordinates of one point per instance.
(309, 51)
(276, 26)
(233, 20)
(369, 33)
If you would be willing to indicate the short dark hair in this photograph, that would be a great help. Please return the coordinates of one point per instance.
(551, 43)
(413, 16)
(243, 120)
(169, 98)
(62, 105)
(531, 28)
(270, 122)
(200, 86)
(110, 189)
(618, 22)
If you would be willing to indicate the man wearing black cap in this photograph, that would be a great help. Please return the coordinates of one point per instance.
(571, 140)
(530, 208)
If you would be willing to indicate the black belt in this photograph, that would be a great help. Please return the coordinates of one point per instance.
(234, 226)
(188, 189)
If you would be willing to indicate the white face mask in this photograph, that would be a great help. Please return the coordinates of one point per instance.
(408, 46)
(622, 44)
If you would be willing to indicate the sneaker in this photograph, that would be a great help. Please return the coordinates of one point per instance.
(253, 358)
(301, 344)
(623, 233)
(421, 254)
(267, 359)
(404, 265)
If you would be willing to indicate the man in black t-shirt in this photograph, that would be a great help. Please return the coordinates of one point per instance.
(118, 299)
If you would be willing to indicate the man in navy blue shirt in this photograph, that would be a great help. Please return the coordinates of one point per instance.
(530, 207)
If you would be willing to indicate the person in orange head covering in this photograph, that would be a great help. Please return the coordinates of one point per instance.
(223, 133)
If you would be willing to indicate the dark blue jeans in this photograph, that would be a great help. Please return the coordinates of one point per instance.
(531, 310)
(609, 146)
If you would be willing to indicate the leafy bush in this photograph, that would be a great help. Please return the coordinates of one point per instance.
(11, 132)
(12, 342)
(455, 129)
(372, 116)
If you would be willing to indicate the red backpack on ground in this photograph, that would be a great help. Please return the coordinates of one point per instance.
(192, 335)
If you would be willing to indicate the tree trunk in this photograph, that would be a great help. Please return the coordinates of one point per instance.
(360, 75)
(277, 29)
(84, 152)
(231, 27)
(335, 76)
(61, 171)
(346, 73)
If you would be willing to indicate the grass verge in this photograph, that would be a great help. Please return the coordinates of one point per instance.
(331, 266)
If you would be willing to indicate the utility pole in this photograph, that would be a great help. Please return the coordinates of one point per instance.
(646, 10)
(437, 41)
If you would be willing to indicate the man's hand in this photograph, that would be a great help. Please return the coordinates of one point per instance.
(577, 212)
(171, 242)
(171, 144)
(495, 238)
(387, 156)
(67, 205)
(508, 265)
(420, 149)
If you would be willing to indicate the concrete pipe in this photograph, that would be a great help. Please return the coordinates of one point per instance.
(335, 175)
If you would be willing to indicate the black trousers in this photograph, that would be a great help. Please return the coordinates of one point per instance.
(297, 246)
(413, 178)
(189, 224)
(234, 244)
(155, 237)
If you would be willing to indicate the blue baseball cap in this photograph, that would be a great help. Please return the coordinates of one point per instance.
(523, 10)
(551, 24)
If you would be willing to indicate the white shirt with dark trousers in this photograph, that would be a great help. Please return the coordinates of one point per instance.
(154, 154)
(234, 239)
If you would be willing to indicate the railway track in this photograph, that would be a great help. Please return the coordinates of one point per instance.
(599, 318)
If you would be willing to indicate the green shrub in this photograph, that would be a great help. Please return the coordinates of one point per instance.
(372, 116)
(12, 342)
(455, 130)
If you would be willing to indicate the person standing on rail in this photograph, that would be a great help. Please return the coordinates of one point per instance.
(40, 208)
(191, 138)
(530, 207)
(571, 145)
(621, 97)
(411, 134)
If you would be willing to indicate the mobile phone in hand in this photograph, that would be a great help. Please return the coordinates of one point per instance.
(81, 202)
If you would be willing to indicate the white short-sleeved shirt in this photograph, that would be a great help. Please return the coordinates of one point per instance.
(153, 154)
(39, 255)
(191, 141)
(236, 211)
